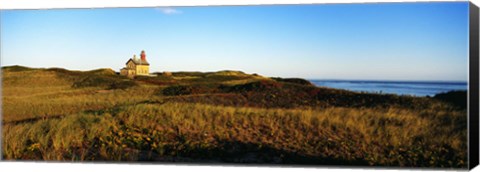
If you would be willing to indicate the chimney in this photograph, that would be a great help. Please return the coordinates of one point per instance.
(143, 56)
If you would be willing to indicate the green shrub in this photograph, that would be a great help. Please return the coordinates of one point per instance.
(16, 68)
(263, 85)
(294, 81)
(456, 98)
(177, 90)
(158, 80)
(122, 85)
(94, 81)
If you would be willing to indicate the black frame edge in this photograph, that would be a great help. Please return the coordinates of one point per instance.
(473, 90)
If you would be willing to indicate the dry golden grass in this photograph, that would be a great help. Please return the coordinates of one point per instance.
(46, 119)
(366, 136)
(43, 93)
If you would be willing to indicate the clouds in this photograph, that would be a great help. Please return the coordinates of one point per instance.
(168, 10)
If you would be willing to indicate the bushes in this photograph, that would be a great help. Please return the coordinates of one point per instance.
(456, 98)
(104, 78)
(16, 68)
(160, 79)
(177, 90)
(195, 132)
(93, 81)
(122, 85)
(259, 86)
(294, 81)
(107, 82)
(298, 124)
(268, 93)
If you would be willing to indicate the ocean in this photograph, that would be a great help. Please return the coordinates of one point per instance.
(414, 88)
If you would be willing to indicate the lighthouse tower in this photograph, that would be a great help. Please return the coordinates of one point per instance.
(135, 67)
(143, 56)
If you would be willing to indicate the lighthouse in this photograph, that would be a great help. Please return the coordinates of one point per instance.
(143, 56)
(135, 66)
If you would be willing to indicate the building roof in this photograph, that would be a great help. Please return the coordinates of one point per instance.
(138, 62)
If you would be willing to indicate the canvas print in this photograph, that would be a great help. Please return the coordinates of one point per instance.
(373, 84)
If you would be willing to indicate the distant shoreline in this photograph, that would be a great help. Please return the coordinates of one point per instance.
(393, 81)
(416, 88)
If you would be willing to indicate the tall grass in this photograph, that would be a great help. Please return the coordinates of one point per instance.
(366, 136)
(42, 94)
(45, 118)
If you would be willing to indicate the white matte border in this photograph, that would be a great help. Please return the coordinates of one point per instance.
(136, 167)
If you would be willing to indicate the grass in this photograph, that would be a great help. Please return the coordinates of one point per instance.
(223, 117)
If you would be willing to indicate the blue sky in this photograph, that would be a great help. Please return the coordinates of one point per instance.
(385, 41)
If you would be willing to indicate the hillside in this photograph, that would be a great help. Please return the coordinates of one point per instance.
(225, 116)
